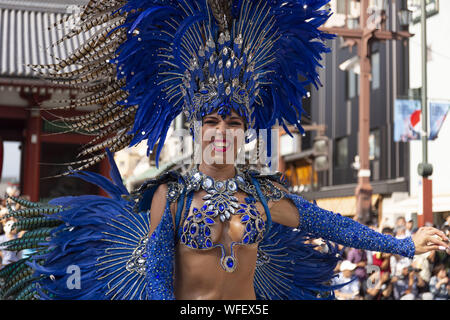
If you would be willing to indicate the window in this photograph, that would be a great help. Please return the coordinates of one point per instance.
(340, 6)
(375, 70)
(352, 84)
(432, 8)
(341, 154)
(374, 144)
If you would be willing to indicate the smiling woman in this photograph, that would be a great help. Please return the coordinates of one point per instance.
(218, 231)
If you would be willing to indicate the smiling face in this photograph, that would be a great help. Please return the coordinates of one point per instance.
(222, 137)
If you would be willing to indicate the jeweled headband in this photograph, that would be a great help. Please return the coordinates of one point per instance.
(151, 60)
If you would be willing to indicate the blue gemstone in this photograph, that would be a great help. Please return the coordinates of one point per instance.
(208, 243)
(194, 244)
(246, 239)
(189, 218)
(204, 91)
(144, 255)
(183, 239)
(252, 206)
(243, 205)
(245, 218)
(221, 207)
(207, 231)
(210, 213)
(241, 211)
(204, 207)
(209, 221)
(253, 212)
(198, 215)
(230, 263)
(248, 227)
(195, 210)
(185, 227)
(193, 229)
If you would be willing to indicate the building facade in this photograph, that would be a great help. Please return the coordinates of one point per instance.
(335, 106)
(36, 148)
(410, 204)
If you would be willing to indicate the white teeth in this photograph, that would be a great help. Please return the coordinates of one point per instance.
(221, 144)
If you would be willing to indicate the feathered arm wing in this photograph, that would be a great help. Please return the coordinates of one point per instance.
(88, 247)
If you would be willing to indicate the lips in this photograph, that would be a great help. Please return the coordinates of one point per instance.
(221, 145)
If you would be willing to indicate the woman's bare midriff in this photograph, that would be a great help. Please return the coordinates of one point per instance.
(199, 276)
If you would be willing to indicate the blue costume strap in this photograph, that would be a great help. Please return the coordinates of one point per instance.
(180, 205)
(264, 203)
(189, 198)
(330, 226)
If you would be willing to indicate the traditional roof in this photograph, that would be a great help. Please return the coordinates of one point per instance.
(25, 37)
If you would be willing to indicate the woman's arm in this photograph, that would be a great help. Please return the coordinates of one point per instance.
(295, 211)
(159, 202)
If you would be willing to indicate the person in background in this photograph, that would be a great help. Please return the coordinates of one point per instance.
(359, 258)
(397, 263)
(381, 287)
(351, 290)
(382, 260)
(401, 232)
(405, 285)
(8, 256)
(399, 223)
(447, 221)
(442, 257)
(409, 228)
(439, 284)
(369, 254)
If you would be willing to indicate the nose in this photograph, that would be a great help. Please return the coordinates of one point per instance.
(221, 128)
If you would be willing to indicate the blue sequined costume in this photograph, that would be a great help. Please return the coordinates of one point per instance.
(146, 62)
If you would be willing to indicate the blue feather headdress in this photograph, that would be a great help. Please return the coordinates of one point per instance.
(166, 57)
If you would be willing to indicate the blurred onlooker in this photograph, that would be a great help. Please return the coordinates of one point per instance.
(409, 228)
(8, 256)
(351, 290)
(399, 223)
(401, 232)
(405, 285)
(442, 257)
(12, 191)
(397, 263)
(439, 284)
(447, 221)
(382, 260)
(425, 263)
(358, 257)
(381, 287)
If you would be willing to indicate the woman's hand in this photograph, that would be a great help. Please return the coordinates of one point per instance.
(428, 239)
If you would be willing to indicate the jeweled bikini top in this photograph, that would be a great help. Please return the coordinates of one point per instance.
(220, 201)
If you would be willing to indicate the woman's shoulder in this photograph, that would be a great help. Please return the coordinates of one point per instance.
(167, 185)
(273, 185)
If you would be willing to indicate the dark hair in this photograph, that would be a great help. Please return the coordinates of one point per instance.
(387, 230)
(438, 268)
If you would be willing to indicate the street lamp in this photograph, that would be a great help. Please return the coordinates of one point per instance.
(405, 17)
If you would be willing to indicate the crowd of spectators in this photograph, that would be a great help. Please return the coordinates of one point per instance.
(383, 276)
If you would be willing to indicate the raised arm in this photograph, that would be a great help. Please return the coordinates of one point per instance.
(331, 226)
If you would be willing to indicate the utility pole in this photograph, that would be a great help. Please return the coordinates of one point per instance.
(363, 37)
(425, 169)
